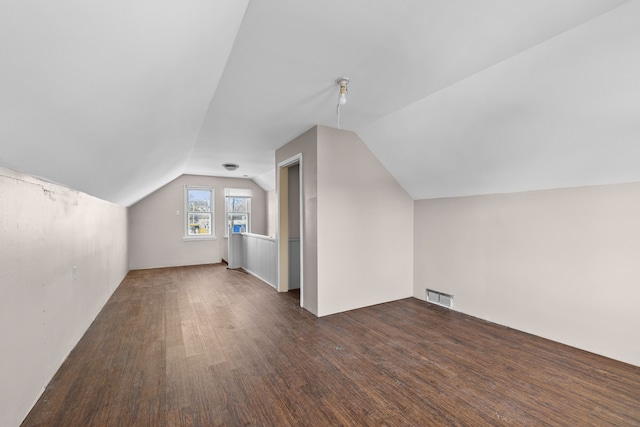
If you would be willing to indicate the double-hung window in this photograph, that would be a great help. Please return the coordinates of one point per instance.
(199, 212)
(238, 210)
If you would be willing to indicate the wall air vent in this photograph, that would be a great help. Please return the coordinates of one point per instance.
(440, 298)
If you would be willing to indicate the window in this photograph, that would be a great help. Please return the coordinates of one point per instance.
(238, 210)
(199, 212)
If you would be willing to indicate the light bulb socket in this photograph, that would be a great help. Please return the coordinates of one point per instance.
(342, 82)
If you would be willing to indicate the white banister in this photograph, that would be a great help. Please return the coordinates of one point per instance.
(256, 254)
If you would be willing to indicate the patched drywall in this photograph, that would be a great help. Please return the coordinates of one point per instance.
(62, 254)
(561, 264)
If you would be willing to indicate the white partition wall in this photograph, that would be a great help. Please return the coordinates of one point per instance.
(365, 227)
(260, 257)
(357, 238)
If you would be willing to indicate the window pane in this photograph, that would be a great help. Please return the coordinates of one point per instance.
(240, 204)
(239, 222)
(199, 200)
(199, 223)
(238, 211)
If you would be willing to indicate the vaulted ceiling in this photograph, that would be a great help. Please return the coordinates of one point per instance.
(455, 97)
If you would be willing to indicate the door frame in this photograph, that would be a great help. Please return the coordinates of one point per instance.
(282, 216)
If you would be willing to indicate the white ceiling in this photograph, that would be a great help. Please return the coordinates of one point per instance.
(455, 97)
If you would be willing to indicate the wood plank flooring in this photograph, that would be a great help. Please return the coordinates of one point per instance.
(206, 346)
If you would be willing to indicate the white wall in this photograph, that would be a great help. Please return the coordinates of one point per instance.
(561, 264)
(156, 232)
(365, 227)
(46, 230)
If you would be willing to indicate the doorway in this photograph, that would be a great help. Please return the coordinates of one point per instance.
(290, 226)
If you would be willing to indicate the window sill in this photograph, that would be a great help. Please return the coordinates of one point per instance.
(197, 238)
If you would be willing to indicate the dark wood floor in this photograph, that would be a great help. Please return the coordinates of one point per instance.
(206, 346)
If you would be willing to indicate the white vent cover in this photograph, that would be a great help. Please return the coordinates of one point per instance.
(440, 298)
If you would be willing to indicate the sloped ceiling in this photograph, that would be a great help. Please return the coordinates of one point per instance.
(454, 97)
(108, 97)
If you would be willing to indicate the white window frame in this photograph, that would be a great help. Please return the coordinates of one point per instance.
(245, 193)
(211, 235)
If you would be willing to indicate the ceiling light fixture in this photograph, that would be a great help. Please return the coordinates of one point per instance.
(342, 98)
(342, 82)
(230, 166)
